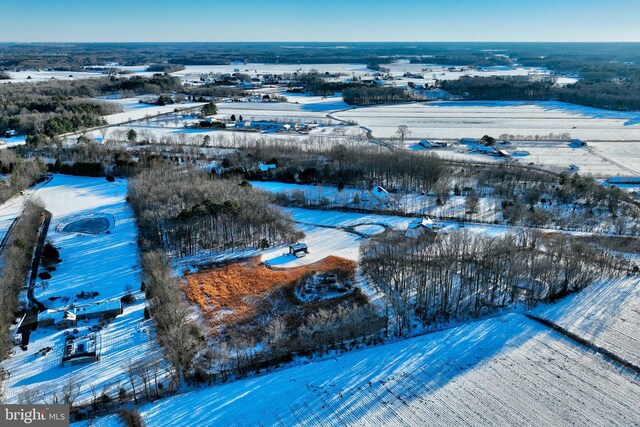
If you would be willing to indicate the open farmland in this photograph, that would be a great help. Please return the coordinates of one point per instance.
(505, 371)
(473, 119)
(606, 314)
(611, 135)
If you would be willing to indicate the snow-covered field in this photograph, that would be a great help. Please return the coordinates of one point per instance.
(23, 76)
(104, 263)
(612, 136)
(473, 119)
(504, 371)
(136, 111)
(280, 111)
(606, 313)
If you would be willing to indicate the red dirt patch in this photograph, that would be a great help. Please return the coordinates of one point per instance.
(237, 287)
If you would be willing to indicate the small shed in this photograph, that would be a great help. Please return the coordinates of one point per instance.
(298, 250)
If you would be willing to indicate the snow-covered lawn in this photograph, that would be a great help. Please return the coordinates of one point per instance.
(104, 263)
(606, 313)
(504, 371)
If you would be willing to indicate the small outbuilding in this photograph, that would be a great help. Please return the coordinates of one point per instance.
(298, 250)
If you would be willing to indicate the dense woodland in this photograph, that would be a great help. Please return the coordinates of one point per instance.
(464, 275)
(42, 110)
(18, 173)
(378, 95)
(189, 212)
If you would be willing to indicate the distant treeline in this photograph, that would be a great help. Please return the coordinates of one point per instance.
(621, 95)
(477, 59)
(54, 107)
(165, 68)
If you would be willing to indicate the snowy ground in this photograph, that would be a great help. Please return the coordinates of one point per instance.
(413, 203)
(136, 111)
(9, 211)
(192, 73)
(504, 371)
(607, 314)
(287, 112)
(104, 263)
(12, 142)
(324, 241)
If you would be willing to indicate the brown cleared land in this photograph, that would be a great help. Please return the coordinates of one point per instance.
(234, 288)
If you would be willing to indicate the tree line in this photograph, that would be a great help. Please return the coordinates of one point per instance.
(378, 95)
(19, 173)
(464, 275)
(15, 261)
(611, 94)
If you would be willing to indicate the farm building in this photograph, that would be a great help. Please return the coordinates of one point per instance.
(81, 350)
(633, 180)
(432, 144)
(99, 309)
(298, 250)
(420, 227)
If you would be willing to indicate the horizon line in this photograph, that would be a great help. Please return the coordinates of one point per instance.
(325, 41)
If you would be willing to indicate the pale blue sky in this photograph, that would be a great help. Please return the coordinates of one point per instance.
(320, 20)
